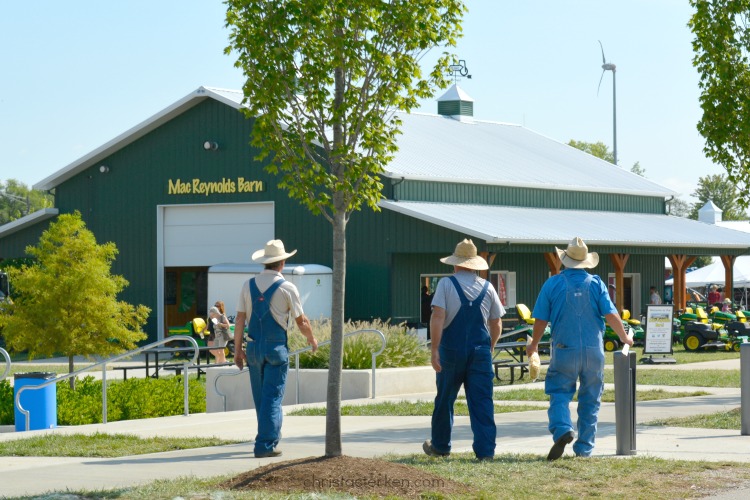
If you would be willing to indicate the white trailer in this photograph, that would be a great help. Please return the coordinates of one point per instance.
(314, 282)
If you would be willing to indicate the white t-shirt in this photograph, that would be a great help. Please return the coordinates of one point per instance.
(285, 300)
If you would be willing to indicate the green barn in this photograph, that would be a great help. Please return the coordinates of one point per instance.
(182, 192)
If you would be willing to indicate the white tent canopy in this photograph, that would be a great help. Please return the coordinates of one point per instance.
(714, 274)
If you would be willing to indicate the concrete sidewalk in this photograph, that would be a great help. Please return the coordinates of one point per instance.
(522, 432)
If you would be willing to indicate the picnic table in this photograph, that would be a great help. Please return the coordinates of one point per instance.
(517, 352)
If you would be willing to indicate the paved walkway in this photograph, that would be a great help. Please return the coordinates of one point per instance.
(523, 432)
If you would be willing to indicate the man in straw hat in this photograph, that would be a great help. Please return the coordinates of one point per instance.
(574, 302)
(268, 301)
(465, 326)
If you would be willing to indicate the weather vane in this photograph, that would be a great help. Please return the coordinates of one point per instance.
(459, 70)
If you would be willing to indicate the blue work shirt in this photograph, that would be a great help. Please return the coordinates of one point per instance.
(552, 306)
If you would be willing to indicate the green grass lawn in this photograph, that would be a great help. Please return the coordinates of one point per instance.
(731, 419)
(508, 476)
(100, 445)
(404, 409)
(608, 396)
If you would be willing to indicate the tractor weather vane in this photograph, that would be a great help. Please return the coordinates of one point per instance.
(610, 67)
(459, 70)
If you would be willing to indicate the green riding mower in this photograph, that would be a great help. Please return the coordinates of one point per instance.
(612, 341)
(697, 331)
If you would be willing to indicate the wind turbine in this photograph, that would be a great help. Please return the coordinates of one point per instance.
(610, 67)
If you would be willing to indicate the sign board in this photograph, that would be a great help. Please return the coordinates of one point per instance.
(658, 338)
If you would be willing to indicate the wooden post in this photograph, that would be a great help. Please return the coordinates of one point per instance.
(490, 258)
(728, 261)
(619, 260)
(679, 264)
(553, 262)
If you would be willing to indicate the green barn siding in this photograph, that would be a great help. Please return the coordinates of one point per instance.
(444, 192)
(14, 245)
(456, 108)
(120, 206)
(386, 251)
(531, 273)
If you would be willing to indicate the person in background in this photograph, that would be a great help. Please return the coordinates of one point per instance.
(714, 296)
(612, 293)
(426, 308)
(466, 325)
(218, 325)
(654, 297)
(727, 305)
(269, 303)
(574, 302)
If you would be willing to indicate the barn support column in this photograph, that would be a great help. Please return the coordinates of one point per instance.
(728, 261)
(490, 258)
(618, 261)
(553, 262)
(679, 264)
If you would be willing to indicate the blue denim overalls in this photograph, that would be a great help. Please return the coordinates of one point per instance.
(267, 361)
(466, 359)
(576, 353)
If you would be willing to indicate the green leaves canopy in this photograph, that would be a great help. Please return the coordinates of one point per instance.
(66, 302)
(323, 81)
(722, 40)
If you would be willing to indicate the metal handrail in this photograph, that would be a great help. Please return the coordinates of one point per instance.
(7, 363)
(296, 355)
(103, 364)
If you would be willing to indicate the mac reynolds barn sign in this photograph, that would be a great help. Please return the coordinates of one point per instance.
(224, 186)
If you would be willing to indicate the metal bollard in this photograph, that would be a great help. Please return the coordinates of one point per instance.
(745, 387)
(624, 363)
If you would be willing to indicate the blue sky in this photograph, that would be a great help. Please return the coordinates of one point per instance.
(76, 74)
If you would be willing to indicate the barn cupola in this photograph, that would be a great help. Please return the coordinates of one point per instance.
(456, 103)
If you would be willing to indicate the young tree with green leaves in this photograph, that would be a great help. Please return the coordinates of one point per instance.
(722, 192)
(17, 200)
(721, 46)
(323, 82)
(598, 149)
(601, 150)
(66, 302)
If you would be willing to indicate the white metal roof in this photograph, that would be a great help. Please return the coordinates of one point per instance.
(521, 225)
(438, 148)
(443, 149)
(455, 93)
(27, 221)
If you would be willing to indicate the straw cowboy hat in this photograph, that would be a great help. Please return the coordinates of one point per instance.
(466, 256)
(273, 252)
(577, 255)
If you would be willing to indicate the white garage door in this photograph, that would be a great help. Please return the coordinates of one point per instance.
(204, 235)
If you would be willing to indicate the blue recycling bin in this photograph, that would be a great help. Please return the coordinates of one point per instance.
(40, 403)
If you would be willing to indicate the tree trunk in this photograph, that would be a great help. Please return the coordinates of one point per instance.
(333, 395)
(71, 369)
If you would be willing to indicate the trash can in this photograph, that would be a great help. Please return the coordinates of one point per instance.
(40, 403)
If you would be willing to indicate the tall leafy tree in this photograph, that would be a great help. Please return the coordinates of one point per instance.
(679, 207)
(17, 200)
(721, 45)
(601, 150)
(323, 80)
(598, 149)
(66, 302)
(723, 192)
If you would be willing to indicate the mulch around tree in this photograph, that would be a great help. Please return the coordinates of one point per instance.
(353, 475)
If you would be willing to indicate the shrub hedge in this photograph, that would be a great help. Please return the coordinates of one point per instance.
(138, 398)
(130, 399)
